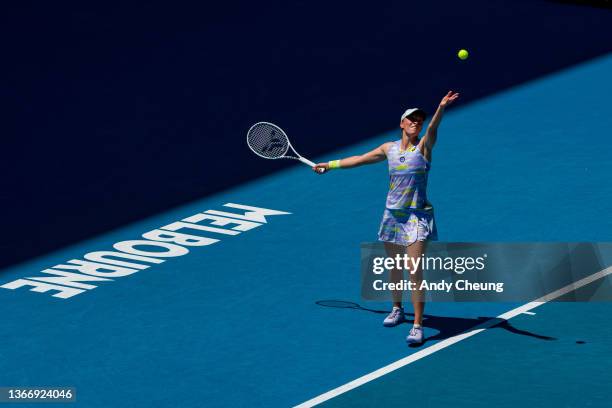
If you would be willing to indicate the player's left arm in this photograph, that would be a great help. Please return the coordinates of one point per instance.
(431, 134)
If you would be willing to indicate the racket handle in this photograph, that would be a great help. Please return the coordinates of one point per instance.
(307, 162)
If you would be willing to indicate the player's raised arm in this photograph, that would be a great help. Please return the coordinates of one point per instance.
(431, 134)
(374, 156)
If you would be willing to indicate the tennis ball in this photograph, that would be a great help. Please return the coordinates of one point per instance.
(463, 54)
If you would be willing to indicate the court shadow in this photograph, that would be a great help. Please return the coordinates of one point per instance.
(446, 326)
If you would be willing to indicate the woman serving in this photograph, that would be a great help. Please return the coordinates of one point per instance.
(408, 219)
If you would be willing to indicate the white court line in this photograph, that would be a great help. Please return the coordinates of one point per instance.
(452, 340)
(529, 313)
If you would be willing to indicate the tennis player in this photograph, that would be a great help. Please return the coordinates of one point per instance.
(408, 219)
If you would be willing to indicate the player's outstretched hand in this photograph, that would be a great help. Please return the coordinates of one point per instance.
(321, 168)
(449, 98)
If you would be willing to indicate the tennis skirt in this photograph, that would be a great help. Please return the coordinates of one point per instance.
(404, 227)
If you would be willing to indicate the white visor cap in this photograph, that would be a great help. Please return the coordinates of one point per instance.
(413, 110)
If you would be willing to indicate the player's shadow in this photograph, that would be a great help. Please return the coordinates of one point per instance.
(446, 326)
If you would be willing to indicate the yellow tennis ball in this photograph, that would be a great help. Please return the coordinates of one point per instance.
(463, 54)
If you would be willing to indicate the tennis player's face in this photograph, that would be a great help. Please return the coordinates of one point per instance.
(412, 125)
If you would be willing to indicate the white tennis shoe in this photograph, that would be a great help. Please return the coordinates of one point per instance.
(395, 317)
(416, 335)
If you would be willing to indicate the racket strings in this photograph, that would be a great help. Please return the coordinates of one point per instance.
(268, 141)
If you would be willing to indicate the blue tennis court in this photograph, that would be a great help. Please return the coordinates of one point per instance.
(239, 321)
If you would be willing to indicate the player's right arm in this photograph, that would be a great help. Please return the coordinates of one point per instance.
(377, 155)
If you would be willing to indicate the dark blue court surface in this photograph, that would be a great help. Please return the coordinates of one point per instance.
(241, 322)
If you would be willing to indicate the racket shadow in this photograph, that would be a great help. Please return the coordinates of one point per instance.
(446, 326)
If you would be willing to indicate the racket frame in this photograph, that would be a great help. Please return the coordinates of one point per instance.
(289, 146)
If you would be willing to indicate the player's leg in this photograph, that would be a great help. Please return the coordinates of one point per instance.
(415, 251)
(395, 275)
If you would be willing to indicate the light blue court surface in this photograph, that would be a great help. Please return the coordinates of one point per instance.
(236, 323)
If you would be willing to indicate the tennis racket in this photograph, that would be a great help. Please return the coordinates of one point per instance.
(270, 142)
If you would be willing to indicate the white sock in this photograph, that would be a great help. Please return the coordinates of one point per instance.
(416, 326)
